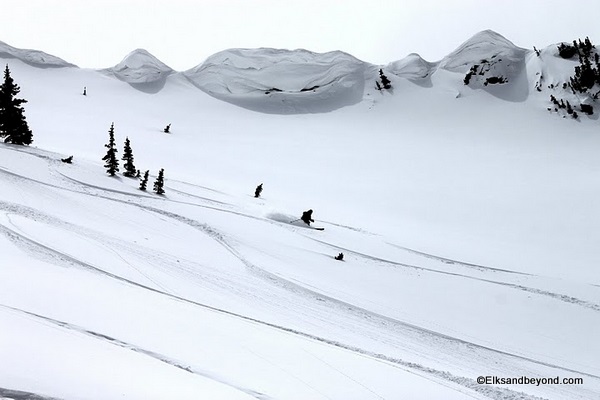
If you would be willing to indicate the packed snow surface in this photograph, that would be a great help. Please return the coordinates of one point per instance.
(467, 215)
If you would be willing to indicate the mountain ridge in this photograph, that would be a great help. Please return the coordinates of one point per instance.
(281, 81)
(498, 39)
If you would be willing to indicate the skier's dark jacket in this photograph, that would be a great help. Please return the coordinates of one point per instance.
(307, 217)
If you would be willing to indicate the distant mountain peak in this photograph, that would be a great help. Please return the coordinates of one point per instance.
(281, 80)
(34, 58)
(139, 66)
(482, 45)
(412, 67)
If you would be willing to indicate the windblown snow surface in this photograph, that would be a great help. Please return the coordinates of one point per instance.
(467, 216)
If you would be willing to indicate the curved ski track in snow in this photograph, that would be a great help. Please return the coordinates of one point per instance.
(555, 296)
(116, 342)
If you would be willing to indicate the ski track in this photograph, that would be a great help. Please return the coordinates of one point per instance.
(556, 296)
(492, 392)
(116, 342)
(359, 230)
(194, 196)
(461, 263)
(200, 187)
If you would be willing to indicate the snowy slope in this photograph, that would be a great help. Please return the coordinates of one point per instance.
(466, 214)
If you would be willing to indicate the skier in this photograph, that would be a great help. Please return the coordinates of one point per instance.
(258, 191)
(307, 217)
(339, 257)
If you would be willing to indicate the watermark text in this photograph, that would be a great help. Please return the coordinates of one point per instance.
(525, 380)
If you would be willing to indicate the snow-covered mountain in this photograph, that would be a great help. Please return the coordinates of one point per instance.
(466, 214)
(282, 81)
(32, 57)
(140, 66)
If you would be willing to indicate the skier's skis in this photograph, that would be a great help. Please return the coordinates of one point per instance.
(319, 229)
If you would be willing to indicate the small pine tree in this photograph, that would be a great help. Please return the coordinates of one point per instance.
(144, 182)
(112, 164)
(384, 80)
(159, 182)
(167, 129)
(13, 125)
(569, 108)
(258, 191)
(130, 169)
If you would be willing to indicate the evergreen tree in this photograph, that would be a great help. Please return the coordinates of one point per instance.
(130, 169)
(144, 182)
(384, 80)
(112, 164)
(13, 125)
(159, 182)
(569, 108)
(258, 191)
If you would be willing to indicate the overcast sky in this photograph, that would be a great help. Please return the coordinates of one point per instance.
(183, 33)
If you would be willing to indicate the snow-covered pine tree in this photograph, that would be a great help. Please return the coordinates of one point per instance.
(13, 125)
(159, 182)
(144, 182)
(112, 164)
(130, 169)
